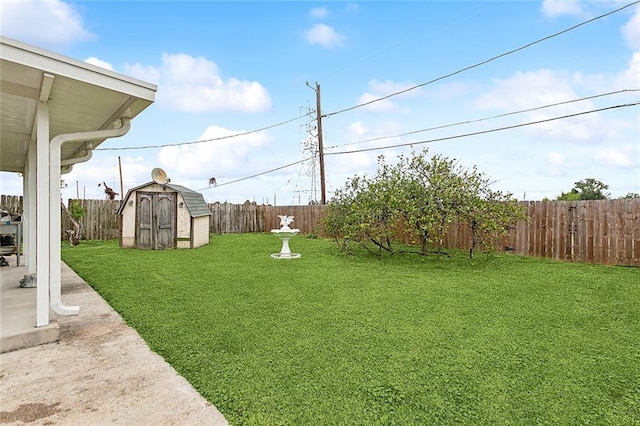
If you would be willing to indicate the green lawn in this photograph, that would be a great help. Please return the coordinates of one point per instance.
(333, 339)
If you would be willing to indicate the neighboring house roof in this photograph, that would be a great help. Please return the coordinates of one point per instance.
(194, 201)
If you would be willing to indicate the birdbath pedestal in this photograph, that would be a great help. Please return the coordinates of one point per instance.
(285, 233)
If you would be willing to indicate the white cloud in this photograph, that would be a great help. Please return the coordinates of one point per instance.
(382, 106)
(630, 78)
(144, 72)
(561, 7)
(380, 89)
(319, 12)
(361, 135)
(600, 83)
(324, 36)
(194, 84)
(527, 90)
(47, 23)
(357, 130)
(220, 158)
(84, 178)
(626, 156)
(540, 88)
(631, 30)
(99, 63)
(556, 159)
(557, 163)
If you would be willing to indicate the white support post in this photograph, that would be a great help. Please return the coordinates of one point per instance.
(42, 215)
(29, 209)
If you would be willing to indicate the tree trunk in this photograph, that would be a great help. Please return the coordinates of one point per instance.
(72, 234)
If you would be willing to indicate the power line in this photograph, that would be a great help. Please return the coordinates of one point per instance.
(478, 120)
(482, 62)
(256, 175)
(235, 135)
(482, 132)
(374, 100)
(432, 140)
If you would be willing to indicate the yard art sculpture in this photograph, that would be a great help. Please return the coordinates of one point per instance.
(285, 221)
(110, 193)
(285, 233)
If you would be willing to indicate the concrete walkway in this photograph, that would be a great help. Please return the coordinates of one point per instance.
(99, 371)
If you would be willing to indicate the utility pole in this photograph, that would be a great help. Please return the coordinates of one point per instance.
(121, 186)
(323, 191)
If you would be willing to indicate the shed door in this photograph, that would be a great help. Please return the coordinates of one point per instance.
(156, 220)
(166, 208)
(145, 221)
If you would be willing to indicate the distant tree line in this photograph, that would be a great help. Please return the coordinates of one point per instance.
(590, 189)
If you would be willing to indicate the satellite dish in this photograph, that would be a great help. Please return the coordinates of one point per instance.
(159, 176)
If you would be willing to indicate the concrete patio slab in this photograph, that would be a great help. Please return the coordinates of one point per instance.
(99, 371)
(18, 313)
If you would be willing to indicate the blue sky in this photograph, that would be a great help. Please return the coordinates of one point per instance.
(226, 68)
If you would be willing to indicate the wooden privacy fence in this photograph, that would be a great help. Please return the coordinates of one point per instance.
(308, 219)
(603, 231)
(11, 203)
(606, 231)
(236, 218)
(100, 221)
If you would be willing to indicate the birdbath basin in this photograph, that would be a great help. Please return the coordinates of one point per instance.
(285, 234)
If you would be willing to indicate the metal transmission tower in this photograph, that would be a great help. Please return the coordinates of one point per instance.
(310, 166)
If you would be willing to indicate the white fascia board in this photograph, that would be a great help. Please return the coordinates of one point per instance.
(56, 64)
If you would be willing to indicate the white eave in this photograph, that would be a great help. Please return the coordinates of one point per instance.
(81, 97)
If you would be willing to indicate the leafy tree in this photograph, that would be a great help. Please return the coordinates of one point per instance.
(435, 194)
(341, 220)
(631, 195)
(586, 189)
(572, 195)
(425, 194)
(365, 212)
(489, 214)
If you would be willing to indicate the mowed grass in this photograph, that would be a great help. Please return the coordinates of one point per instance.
(334, 339)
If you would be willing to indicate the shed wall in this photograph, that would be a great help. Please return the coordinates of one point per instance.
(128, 233)
(183, 221)
(200, 236)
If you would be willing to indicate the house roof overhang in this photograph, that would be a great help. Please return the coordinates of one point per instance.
(81, 97)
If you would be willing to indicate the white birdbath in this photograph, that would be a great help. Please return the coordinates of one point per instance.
(285, 233)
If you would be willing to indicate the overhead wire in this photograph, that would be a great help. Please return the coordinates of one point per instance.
(235, 135)
(482, 132)
(478, 120)
(378, 99)
(498, 129)
(478, 64)
(255, 175)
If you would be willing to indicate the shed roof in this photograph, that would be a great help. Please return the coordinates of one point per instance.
(196, 205)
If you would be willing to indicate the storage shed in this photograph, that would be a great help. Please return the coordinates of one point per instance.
(163, 216)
